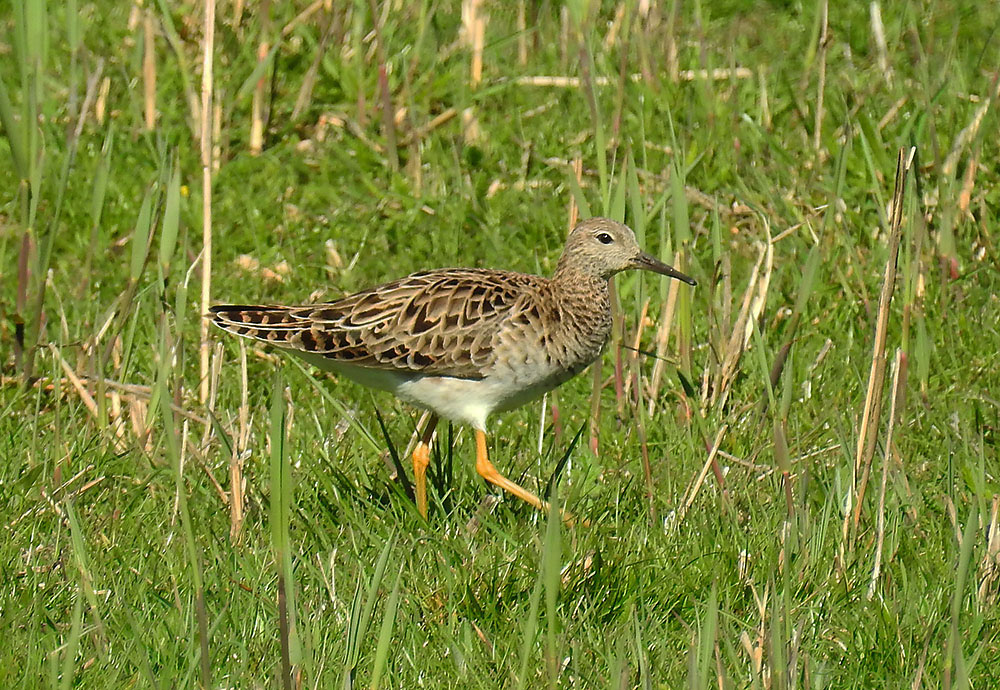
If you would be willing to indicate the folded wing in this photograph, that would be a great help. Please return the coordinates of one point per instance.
(437, 322)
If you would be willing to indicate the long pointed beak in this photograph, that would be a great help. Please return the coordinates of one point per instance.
(648, 262)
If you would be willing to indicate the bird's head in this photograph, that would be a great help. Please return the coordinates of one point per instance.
(601, 247)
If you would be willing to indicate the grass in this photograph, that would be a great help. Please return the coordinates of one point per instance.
(257, 538)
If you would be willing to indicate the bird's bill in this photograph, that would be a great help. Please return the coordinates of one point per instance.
(651, 263)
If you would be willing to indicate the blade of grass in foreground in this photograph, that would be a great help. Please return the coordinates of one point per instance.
(548, 580)
(174, 450)
(72, 645)
(682, 235)
(281, 502)
(956, 667)
(551, 556)
(361, 615)
(385, 632)
(86, 574)
(702, 649)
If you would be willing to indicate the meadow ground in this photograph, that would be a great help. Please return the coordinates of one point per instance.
(795, 476)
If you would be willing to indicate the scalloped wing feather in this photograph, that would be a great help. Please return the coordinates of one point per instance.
(443, 322)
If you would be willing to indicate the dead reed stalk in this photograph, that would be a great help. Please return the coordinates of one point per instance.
(208, 50)
(867, 435)
(149, 69)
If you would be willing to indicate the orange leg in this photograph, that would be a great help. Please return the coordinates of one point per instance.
(422, 458)
(488, 472)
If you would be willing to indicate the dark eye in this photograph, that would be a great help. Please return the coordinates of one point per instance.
(605, 238)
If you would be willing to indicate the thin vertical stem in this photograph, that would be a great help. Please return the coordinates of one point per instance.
(149, 70)
(206, 185)
(821, 86)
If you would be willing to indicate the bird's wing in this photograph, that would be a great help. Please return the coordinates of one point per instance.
(438, 322)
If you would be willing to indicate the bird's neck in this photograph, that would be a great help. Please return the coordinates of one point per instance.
(569, 280)
(585, 302)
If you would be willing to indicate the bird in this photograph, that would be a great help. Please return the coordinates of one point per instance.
(463, 343)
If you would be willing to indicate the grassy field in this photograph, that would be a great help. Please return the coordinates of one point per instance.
(792, 478)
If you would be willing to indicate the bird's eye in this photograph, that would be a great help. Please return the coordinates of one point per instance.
(605, 238)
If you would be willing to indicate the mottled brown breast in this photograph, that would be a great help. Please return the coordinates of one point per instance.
(554, 332)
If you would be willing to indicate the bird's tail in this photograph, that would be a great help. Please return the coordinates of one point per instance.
(270, 324)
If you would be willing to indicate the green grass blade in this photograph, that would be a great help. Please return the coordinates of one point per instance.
(551, 558)
(141, 236)
(171, 221)
(72, 645)
(14, 133)
(385, 632)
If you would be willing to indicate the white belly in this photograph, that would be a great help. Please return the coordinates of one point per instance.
(468, 401)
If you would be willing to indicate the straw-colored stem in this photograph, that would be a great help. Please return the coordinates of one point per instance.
(898, 385)
(700, 479)
(206, 183)
(876, 377)
(149, 70)
(257, 106)
(878, 33)
(522, 37)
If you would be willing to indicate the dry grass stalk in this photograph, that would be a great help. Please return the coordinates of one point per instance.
(564, 40)
(616, 26)
(236, 482)
(471, 133)
(968, 183)
(892, 112)
(754, 299)
(208, 51)
(898, 385)
(522, 35)
(821, 82)
(662, 341)
(717, 74)
(765, 107)
(419, 133)
(149, 70)
(673, 60)
(574, 209)
(634, 354)
(257, 104)
(257, 107)
(101, 105)
(301, 17)
(133, 394)
(115, 413)
(871, 411)
(969, 132)
(87, 399)
(478, 38)
(878, 32)
(304, 97)
(700, 479)
(989, 569)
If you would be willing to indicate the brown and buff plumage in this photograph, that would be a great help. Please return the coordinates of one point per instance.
(462, 342)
